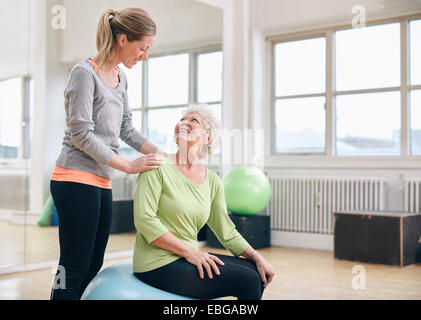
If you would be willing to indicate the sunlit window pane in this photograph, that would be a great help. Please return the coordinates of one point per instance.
(10, 117)
(368, 124)
(168, 80)
(209, 77)
(161, 125)
(134, 85)
(415, 101)
(137, 120)
(300, 125)
(300, 67)
(125, 150)
(217, 111)
(415, 51)
(368, 57)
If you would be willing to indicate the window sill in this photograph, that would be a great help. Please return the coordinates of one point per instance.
(343, 162)
(14, 164)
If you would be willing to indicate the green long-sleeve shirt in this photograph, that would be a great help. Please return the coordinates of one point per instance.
(165, 200)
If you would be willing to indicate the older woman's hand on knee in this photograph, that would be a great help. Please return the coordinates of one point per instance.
(265, 269)
(204, 260)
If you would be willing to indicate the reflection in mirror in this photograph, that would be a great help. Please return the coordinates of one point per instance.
(15, 133)
(53, 38)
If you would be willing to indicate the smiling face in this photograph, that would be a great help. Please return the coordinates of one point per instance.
(190, 130)
(132, 52)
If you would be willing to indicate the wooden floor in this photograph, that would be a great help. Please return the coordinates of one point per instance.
(300, 274)
(20, 244)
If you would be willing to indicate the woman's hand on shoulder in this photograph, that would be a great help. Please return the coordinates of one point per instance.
(148, 162)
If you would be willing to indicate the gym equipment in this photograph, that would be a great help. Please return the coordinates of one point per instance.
(117, 282)
(54, 216)
(391, 238)
(254, 229)
(45, 217)
(247, 190)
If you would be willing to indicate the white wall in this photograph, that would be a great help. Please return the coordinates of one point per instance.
(49, 77)
(180, 24)
(282, 16)
(15, 43)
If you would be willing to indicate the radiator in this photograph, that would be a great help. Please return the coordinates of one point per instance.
(306, 204)
(124, 187)
(14, 191)
(412, 194)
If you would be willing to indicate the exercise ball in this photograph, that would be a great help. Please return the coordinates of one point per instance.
(117, 282)
(247, 190)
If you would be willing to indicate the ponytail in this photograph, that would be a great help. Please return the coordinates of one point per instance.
(133, 22)
(105, 38)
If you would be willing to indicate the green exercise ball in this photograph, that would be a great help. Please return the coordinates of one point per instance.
(247, 190)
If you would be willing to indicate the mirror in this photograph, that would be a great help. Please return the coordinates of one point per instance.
(49, 38)
(16, 106)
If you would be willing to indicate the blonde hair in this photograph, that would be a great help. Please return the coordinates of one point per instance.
(211, 124)
(133, 22)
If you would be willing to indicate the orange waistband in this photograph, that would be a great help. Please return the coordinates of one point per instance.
(79, 176)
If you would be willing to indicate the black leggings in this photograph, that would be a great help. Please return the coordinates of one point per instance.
(84, 219)
(238, 277)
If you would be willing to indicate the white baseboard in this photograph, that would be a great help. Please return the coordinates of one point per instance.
(24, 218)
(7, 269)
(302, 240)
(5, 214)
(19, 217)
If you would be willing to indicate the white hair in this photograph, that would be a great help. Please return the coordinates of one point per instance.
(211, 124)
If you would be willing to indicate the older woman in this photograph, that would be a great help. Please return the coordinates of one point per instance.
(172, 203)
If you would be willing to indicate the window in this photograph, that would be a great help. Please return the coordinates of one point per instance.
(161, 124)
(340, 91)
(14, 118)
(300, 85)
(368, 59)
(209, 82)
(168, 87)
(297, 133)
(415, 85)
(415, 52)
(134, 95)
(415, 103)
(368, 124)
(209, 77)
(168, 80)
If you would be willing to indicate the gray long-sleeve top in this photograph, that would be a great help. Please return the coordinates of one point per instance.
(96, 116)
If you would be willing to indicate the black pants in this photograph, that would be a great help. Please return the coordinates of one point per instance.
(239, 278)
(84, 219)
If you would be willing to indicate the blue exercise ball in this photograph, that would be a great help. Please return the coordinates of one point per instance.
(117, 282)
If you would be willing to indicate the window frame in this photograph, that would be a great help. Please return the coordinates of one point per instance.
(331, 92)
(193, 54)
(274, 97)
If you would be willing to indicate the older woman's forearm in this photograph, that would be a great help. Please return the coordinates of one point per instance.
(251, 254)
(170, 242)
